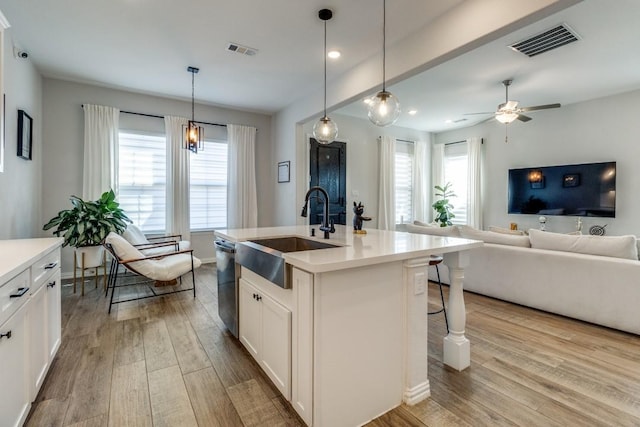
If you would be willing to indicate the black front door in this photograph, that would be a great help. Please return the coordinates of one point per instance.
(328, 169)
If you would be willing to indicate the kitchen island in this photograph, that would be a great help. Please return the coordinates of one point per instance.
(348, 341)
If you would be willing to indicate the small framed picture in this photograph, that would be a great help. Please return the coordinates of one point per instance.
(283, 171)
(25, 135)
(571, 180)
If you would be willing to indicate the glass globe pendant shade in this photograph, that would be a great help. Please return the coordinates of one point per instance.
(384, 109)
(325, 131)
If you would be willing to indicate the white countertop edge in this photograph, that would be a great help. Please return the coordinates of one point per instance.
(18, 254)
(378, 246)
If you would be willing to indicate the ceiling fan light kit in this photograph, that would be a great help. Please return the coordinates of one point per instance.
(384, 108)
(325, 130)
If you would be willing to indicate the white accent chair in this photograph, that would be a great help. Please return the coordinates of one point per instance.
(155, 269)
(155, 245)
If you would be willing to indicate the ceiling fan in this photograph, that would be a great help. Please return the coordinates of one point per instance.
(509, 111)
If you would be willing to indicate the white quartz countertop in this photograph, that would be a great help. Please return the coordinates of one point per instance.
(356, 250)
(18, 254)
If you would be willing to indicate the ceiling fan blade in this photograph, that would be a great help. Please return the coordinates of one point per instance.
(540, 107)
(523, 118)
(473, 114)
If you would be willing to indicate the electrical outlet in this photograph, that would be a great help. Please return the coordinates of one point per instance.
(419, 283)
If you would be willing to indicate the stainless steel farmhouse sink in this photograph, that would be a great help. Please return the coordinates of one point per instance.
(264, 256)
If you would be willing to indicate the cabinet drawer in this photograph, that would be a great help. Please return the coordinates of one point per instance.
(44, 268)
(9, 305)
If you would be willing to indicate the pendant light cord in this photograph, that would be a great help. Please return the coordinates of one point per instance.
(325, 68)
(384, 43)
(193, 116)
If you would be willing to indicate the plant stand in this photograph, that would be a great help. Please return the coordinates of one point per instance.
(84, 267)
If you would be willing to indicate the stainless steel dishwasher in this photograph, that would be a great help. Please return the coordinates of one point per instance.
(228, 273)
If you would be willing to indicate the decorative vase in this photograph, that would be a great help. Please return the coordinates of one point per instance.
(93, 256)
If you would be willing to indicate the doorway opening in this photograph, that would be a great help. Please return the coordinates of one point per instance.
(328, 169)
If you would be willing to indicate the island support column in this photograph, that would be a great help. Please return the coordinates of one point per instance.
(456, 349)
(416, 363)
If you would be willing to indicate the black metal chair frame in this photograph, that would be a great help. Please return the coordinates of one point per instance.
(443, 309)
(116, 262)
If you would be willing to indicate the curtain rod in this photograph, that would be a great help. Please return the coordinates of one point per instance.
(460, 142)
(162, 117)
(401, 140)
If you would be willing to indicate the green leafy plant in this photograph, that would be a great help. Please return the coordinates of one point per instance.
(89, 222)
(442, 206)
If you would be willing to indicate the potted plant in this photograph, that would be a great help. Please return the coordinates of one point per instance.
(442, 206)
(87, 224)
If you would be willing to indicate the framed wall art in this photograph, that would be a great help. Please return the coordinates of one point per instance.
(283, 171)
(25, 135)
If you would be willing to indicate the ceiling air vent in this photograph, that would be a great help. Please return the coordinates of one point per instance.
(546, 41)
(244, 50)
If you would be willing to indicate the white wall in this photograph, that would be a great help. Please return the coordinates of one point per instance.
(20, 184)
(604, 129)
(64, 140)
(460, 30)
(363, 154)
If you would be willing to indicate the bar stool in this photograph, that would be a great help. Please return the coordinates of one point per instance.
(434, 261)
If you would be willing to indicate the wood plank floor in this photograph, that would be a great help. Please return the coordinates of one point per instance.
(169, 361)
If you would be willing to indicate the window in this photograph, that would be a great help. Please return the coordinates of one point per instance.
(208, 187)
(455, 172)
(404, 181)
(142, 180)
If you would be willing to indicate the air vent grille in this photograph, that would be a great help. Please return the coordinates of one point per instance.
(243, 50)
(546, 41)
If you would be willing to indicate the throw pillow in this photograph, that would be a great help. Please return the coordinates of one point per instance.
(493, 237)
(434, 231)
(506, 231)
(612, 246)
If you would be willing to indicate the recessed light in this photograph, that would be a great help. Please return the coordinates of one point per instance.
(334, 54)
(367, 101)
(413, 112)
(448, 121)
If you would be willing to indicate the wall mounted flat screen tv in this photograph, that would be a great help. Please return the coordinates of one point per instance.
(579, 190)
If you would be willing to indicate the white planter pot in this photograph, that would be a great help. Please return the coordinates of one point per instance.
(93, 256)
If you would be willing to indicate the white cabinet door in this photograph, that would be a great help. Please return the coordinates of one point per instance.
(54, 319)
(14, 392)
(250, 318)
(265, 330)
(37, 335)
(275, 356)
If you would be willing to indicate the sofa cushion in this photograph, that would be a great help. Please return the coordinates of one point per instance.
(493, 237)
(506, 231)
(451, 231)
(612, 246)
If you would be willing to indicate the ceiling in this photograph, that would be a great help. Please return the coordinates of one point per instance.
(146, 45)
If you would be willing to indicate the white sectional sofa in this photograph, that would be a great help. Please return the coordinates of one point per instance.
(601, 289)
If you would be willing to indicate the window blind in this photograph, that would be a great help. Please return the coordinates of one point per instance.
(455, 172)
(208, 188)
(142, 161)
(404, 181)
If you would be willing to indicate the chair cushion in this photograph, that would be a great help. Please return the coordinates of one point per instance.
(134, 235)
(164, 269)
(493, 237)
(612, 246)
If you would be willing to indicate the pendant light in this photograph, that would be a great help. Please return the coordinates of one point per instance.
(193, 135)
(325, 131)
(384, 108)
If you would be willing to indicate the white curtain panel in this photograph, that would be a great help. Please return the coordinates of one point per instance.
(474, 183)
(421, 182)
(242, 199)
(99, 173)
(177, 178)
(387, 196)
(437, 171)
